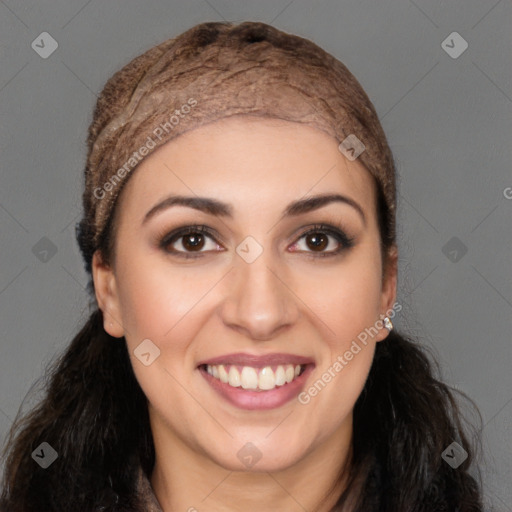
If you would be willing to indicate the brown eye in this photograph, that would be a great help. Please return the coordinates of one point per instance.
(193, 241)
(190, 241)
(319, 238)
(187, 241)
(317, 241)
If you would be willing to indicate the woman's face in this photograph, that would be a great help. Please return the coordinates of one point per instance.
(255, 295)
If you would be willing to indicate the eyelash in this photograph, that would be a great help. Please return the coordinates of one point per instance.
(345, 241)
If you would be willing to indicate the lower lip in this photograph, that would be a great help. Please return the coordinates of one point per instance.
(258, 400)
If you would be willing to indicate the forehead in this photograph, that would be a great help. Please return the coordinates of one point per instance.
(249, 161)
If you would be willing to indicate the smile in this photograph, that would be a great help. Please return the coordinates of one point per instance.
(261, 379)
(254, 387)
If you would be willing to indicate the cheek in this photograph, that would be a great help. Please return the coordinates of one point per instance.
(346, 296)
(161, 304)
(167, 306)
(345, 361)
(347, 300)
(332, 395)
(155, 297)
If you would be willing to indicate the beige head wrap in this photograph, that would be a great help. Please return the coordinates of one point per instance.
(215, 70)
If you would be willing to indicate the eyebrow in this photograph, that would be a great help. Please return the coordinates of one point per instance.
(219, 209)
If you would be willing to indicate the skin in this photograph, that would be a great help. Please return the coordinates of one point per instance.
(287, 300)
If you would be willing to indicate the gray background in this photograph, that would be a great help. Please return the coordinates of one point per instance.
(448, 121)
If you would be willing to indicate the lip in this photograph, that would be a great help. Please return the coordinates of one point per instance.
(258, 361)
(257, 400)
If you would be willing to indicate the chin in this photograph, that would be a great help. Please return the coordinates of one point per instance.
(254, 458)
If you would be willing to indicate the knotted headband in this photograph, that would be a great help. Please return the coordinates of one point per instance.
(215, 70)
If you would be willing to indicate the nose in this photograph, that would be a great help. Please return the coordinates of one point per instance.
(260, 302)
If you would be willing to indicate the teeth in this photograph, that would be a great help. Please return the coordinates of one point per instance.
(223, 374)
(263, 379)
(280, 376)
(267, 379)
(234, 377)
(289, 373)
(249, 378)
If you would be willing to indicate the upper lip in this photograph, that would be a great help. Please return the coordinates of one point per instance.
(257, 361)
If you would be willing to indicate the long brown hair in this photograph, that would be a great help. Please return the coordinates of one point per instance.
(94, 414)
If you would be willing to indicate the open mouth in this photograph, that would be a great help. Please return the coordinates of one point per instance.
(257, 387)
(252, 378)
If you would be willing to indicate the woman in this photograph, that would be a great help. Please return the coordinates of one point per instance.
(239, 231)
